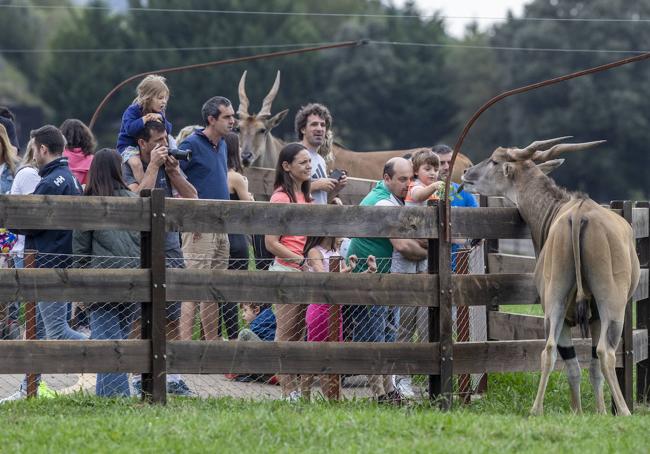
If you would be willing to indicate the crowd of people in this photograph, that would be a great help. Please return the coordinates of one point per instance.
(63, 161)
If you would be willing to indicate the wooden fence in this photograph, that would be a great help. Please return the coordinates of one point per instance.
(153, 356)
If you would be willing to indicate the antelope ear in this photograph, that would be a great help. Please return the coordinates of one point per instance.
(508, 169)
(276, 119)
(549, 166)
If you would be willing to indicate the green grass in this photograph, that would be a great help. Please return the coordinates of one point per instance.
(496, 423)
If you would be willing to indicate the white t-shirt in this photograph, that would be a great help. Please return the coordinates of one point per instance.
(399, 263)
(319, 170)
(24, 183)
(390, 202)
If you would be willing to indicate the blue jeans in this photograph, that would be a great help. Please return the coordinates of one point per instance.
(58, 325)
(111, 321)
(370, 323)
(54, 317)
(14, 308)
(392, 323)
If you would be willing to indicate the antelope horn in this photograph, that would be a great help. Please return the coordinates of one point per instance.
(243, 99)
(556, 150)
(517, 154)
(266, 105)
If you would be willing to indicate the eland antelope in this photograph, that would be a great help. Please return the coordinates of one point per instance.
(587, 268)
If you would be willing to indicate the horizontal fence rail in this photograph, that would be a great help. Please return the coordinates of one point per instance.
(101, 285)
(294, 219)
(192, 357)
(75, 212)
(131, 213)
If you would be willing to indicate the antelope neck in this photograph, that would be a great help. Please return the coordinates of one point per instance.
(539, 206)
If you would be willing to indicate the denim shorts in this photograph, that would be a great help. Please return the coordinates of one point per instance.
(129, 152)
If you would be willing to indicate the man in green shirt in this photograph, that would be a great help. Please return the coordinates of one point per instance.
(369, 323)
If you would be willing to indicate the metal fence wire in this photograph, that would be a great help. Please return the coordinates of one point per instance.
(232, 322)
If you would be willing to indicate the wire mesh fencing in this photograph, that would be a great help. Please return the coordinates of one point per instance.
(470, 322)
(231, 322)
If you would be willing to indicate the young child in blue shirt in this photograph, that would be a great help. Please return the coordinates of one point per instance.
(261, 322)
(150, 103)
(261, 327)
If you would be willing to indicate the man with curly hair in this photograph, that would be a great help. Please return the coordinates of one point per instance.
(312, 123)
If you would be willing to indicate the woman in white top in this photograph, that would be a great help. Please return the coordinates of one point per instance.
(25, 181)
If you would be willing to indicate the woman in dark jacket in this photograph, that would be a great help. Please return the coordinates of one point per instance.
(108, 249)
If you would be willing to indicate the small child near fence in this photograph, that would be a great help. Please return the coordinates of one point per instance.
(261, 327)
(425, 186)
(149, 105)
(261, 322)
(317, 252)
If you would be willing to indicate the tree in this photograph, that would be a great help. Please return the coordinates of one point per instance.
(608, 105)
(390, 96)
(74, 83)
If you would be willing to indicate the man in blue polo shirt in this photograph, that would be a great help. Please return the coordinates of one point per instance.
(208, 172)
(458, 199)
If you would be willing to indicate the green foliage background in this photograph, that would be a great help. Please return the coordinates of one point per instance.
(382, 96)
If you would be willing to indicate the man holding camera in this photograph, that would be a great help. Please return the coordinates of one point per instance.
(161, 170)
(312, 123)
(208, 172)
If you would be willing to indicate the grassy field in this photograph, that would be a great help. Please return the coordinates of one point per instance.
(495, 423)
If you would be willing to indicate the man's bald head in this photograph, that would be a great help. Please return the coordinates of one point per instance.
(398, 173)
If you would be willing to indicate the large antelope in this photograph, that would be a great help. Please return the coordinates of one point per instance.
(586, 270)
(259, 148)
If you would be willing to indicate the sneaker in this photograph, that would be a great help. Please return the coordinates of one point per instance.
(45, 391)
(179, 388)
(230, 376)
(273, 380)
(293, 397)
(405, 387)
(18, 395)
(390, 398)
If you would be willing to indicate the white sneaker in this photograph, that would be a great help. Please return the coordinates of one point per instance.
(20, 394)
(293, 397)
(405, 387)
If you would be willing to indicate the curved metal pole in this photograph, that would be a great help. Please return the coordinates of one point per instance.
(219, 63)
(447, 218)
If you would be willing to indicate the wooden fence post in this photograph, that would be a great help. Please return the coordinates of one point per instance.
(433, 313)
(624, 374)
(30, 324)
(643, 319)
(154, 317)
(440, 320)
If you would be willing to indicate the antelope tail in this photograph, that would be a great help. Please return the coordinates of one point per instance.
(577, 224)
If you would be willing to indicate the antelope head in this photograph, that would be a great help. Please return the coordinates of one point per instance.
(255, 129)
(496, 175)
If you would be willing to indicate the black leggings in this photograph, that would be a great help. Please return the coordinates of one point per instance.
(238, 261)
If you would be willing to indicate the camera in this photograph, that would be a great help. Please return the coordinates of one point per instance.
(337, 174)
(181, 155)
